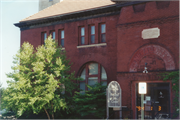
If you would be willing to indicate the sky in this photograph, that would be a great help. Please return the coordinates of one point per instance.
(11, 12)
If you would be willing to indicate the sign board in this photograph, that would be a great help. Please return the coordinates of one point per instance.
(142, 88)
(114, 94)
(148, 98)
(151, 33)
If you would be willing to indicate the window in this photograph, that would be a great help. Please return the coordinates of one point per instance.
(102, 32)
(91, 74)
(53, 34)
(82, 35)
(92, 36)
(43, 37)
(63, 88)
(61, 37)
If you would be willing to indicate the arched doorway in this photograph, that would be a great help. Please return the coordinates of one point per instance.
(157, 100)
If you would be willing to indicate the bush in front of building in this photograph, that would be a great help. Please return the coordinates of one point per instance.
(174, 77)
(92, 103)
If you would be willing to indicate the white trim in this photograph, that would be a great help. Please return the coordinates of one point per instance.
(63, 48)
(93, 45)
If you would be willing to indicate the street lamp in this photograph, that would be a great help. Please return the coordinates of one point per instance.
(145, 68)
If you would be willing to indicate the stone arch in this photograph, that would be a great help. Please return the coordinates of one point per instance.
(153, 51)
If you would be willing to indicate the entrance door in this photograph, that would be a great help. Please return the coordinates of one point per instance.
(156, 101)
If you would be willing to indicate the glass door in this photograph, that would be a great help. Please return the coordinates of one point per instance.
(156, 101)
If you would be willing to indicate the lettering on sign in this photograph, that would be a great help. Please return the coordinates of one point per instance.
(147, 108)
(114, 94)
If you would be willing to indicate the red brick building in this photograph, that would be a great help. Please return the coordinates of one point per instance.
(108, 40)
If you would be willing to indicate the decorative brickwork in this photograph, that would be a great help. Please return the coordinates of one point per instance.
(157, 57)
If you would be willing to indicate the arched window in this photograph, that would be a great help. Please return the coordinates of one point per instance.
(91, 74)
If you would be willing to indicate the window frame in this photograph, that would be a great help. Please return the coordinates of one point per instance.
(51, 32)
(90, 34)
(42, 37)
(80, 36)
(60, 37)
(100, 33)
(86, 67)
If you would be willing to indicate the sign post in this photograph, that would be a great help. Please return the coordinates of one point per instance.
(107, 107)
(142, 91)
(113, 93)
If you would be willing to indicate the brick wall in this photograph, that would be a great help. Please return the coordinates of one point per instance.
(105, 55)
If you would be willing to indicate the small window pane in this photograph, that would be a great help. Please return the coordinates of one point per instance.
(92, 30)
(63, 89)
(103, 74)
(62, 34)
(103, 28)
(92, 38)
(82, 31)
(82, 86)
(104, 83)
(103, 37)
(83, 74)
(93, 68)
(82, 40)
(53, 35)
(45, 36)
(62, 42)
(82, 92)
(92, 81)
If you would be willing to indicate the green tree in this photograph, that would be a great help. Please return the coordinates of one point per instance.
(1, 92)
(39, 78)
(174, 77)
(91, 104)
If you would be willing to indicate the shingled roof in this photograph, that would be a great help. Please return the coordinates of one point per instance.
(72, 10)
(69, 6)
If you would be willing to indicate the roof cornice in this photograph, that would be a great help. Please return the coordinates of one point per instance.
(96, 12)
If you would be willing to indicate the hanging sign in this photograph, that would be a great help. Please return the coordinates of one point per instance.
(114, 94)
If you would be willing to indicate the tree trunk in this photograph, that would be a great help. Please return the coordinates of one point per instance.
(46, 113)
(52, 111)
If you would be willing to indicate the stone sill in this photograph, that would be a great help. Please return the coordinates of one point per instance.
(93, 45)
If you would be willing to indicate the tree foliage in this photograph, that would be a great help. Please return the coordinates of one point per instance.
(39, 78)
(174, 77)
(91, 104)
(1, 92)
